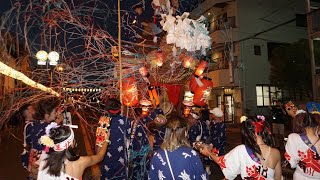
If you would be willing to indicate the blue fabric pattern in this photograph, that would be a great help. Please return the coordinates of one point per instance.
(115, 162)
(218, 136)
(185, 164)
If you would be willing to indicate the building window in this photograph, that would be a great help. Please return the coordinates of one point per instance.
(257, 50)
(268, 95)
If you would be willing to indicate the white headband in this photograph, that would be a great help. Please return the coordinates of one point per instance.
(64, 144)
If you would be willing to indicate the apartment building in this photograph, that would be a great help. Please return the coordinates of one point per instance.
(243, 34)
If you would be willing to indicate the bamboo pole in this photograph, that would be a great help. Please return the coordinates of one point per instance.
(119, 51)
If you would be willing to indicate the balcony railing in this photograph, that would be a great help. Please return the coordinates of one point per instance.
(315, 22)
(222, 23)
(223, 63)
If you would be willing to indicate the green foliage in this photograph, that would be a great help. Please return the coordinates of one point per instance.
(290, 66)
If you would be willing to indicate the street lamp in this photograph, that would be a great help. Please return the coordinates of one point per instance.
(53, 57)
(43, 56)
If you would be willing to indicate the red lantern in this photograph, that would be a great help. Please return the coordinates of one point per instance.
(159, 58)
(193, 84)
(201, 68)
(202, 93)
(129, 92)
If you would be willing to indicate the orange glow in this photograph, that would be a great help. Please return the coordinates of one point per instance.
(159, 58)
(186, 111)
(201, 68)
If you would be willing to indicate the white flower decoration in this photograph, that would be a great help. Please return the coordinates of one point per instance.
(184, 175)
(121, 121)
(186, 155)
(121, 160)
(160, 175)
(106, 168)
(194, 152)
(120, 148)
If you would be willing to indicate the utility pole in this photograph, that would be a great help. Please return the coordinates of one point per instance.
(311, 49)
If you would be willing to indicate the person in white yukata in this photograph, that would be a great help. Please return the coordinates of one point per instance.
(303, 146)
(176, 159)
(256, 158)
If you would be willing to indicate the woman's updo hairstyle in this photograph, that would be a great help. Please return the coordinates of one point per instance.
(55, 159)
(252, 127)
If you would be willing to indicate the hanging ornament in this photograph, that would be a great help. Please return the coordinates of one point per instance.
(201, 68)
(129, 92)
(202, 93)
(144, 71)
(159, 58)
(145, 105)
(187, 108)
(187, 62)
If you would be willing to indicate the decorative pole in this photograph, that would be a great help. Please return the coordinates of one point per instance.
(119, 51)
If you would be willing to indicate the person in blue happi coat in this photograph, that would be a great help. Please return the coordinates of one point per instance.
(139, 146)
(115, 162)
(176, 159)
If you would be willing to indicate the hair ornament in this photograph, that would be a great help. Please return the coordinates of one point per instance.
(47, 141)
(261, 117)
(50, 126)
(300, 111)
(315, 112)
(243, 118)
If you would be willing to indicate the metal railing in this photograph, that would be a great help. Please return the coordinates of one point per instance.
(315, 27)
(222, 23)
(223, 63)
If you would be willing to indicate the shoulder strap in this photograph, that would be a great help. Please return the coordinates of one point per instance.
(169, 164)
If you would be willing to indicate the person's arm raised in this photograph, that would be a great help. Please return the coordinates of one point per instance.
(87, 161)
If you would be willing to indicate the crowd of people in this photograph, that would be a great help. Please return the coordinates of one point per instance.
(163, 144)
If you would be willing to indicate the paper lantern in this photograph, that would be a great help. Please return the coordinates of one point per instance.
(202, 93)
(201, 68)
(129, 92)
(159, 58)
(145, 105)
(53, 58)
(187, 108)
(42, 56)
(144, 71)
(188, 61)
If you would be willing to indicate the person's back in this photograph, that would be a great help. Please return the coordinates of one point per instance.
(255, 159)
(62, 161)
(303, 147)
(176, 159)
(184, 162)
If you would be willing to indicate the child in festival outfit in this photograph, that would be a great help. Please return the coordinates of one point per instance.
(303, 147)
(62, 162)
(176, 159)
(256, 159)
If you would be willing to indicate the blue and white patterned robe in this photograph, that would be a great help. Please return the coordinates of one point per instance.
(139, 150)
(27, 143)
(185, 164)
(115, 162)
(195, 132)
(218, 136)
